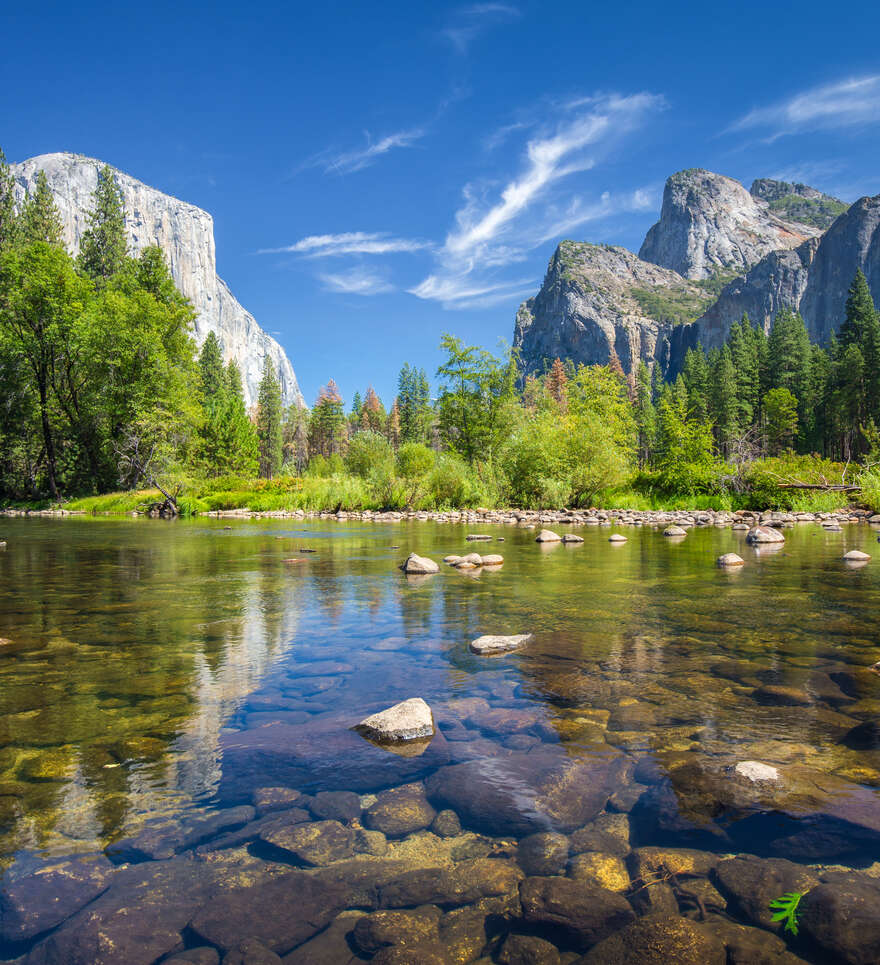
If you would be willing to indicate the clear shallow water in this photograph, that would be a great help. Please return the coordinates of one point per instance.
(158, 670)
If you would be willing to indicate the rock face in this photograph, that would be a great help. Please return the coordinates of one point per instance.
(709, 221)
(717, 252)
(185, 233)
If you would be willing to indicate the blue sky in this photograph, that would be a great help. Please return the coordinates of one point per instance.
(381, 174)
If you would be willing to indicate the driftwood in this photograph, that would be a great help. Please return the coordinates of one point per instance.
(824, 487)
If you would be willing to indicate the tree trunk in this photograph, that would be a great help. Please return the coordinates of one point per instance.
(51, 462)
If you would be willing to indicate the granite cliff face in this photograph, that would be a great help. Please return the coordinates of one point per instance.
(709, 221)
(716, 252)
(186, 234)
(813, 279)
(595, 299)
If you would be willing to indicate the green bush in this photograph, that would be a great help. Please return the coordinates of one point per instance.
(368, 451)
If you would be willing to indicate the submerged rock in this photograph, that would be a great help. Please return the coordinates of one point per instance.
(400, 811)
(493, 643)
(469, 881)
(409, 720)
(318, 844)
(419, 565)
(544, 853)
(583, 914)
(528, 950)
(572, 538)
(750, 884)
(658, 940)
(841, 917)
(523, 793)
(674, 531)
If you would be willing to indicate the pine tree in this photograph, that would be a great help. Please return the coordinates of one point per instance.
(8, 220)
(695, 373)
(724, 407)
(645, 414)
(213, 375)
(40, 220)
(327, 423)
(372, 412)
(269, 422)
(861, 327)
(413, 402)
(103, 246)
(356, 405)
(614, 364)
(744, 355)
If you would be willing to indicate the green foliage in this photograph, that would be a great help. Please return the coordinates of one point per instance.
(413, 404)
(685, 460)
(763, 477)
(819, 212)
(103, 245)
(674, 305)
(785, 908)
(367, 451)
(780, 419)
(269, 422)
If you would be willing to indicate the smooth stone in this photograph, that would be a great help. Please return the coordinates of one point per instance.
(606, 871)
(381, 929)
(730, 559)
(336, 806)
(370, 842)
(658, 940)
(750, 884)
(251, 952)
(37, 902)
(856, 556)
(409, 720)
(268, 799)
(522, 793)
(674, 531)
(419, 565)
(608, 833)
(544, 853)
(584, 915)
(469, 881)
(472, 559)
(764, 534)
(548, 536)
(572, 538)
(318, 844)
(528, 950)
(400, 811)
(451, 559)
(329, 947)
(493, 559)
(493, 643)
(616, 538)
(841, 917)
(446, 824)
(251, 831)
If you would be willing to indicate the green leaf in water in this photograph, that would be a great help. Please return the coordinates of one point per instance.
(787, 906)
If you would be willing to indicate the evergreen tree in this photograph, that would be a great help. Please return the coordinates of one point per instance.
(780, 420)
(40, 220)
(269, 422)
(744, 355)
(213, 375)
(8, 221)
(724, 402)
(861, 327)
(413, 402)
(356, 405)
(103, 246)
(695, 374)
(327, 423)
(393, 426)
(645, 414)
(372, 411)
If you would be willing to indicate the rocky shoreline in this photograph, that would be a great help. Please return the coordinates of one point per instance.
(533, 518)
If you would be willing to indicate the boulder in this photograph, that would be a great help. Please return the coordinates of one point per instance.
(572, 538)
(548, 536)
(528, 950)
(600, 870)
(419, 565)
(409, 720)
(544, 853)
(251, 952)
(469, 881)
(730, 559)
(523, 793)
(493, 643)
(674, 531)
(493, 559)
(841, 917)
(856, 556)
(385, 928)
(764, 534)
(400, 811)
(750, 884)
(319, 843)
(581, 914)
(616, 538)
(658, 940)
(342, 806)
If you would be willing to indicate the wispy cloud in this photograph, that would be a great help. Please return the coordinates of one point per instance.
(496, 228)
(358, 281)
(334, 161)
(469, 22)
(847, 103)
(348, 243)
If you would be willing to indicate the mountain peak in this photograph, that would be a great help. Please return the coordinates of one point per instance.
(709, 222)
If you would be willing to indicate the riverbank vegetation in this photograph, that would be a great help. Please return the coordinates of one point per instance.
(107, 405)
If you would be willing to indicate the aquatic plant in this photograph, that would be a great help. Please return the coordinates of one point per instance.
(786, 907)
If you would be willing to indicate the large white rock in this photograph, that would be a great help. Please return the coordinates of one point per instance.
(186, 234)
(409, 720)
(755, 771)
(730, 559)
(856, 556)
(490, 643)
